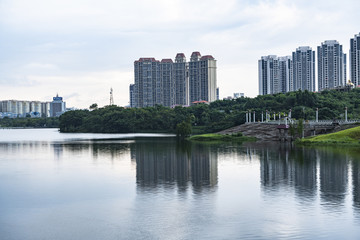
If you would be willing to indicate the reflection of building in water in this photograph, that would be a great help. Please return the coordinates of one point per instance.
(356, 183)
(166, 162)
(283, 166)
(303, 168)
(58, 150)
(333, 178)
(203, 166)
(274, 168)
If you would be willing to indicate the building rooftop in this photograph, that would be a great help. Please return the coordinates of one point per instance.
(147, 60)
(303, 48)
(330, 42)
(206, 57)
(180, 55)
(194, 54)
(167, 60)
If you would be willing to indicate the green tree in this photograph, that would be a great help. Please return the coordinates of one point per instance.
(183, 129)
(93, 106)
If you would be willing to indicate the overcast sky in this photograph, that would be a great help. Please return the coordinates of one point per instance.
(82, 48)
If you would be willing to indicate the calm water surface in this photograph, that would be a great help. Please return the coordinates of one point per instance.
(148, 186)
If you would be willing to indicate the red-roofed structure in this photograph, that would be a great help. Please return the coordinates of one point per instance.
(206, 57)
(167, 60)
(195, 54)
(180, 55)
(147, 60)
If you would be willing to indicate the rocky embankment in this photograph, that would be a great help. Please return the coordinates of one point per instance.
(262, 131)
(270, 132)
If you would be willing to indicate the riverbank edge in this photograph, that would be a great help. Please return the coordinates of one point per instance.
(29, 128)
(215, 137)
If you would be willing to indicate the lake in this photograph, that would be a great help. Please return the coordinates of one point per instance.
(149, 186)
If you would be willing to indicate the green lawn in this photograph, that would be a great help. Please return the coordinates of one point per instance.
(349, 136)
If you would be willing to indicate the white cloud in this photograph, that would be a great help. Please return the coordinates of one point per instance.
(68, 46)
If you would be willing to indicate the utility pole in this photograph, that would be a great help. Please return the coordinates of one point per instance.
(111, 97)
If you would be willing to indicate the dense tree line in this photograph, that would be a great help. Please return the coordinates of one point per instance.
(30, 122)
(213, 117)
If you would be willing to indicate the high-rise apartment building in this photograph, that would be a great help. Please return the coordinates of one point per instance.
(147, 84)
(331, 65)
(268, 74)
(303, 67)
(167, 83)
(354, 57)
(202, 78)
(132, 95)
(274, 74)
(171, 83)
(285, 74)
(181, 80)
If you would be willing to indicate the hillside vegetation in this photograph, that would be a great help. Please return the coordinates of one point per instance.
(214, 117)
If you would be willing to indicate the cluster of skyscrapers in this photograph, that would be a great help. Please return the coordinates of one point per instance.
(16, 108)
(170, 83)
(297, 72)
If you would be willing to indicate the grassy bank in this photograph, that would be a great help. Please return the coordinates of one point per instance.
(213, 137)
(346, 137)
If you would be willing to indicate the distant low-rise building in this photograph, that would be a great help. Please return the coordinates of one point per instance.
(21, 109)
(239, 95)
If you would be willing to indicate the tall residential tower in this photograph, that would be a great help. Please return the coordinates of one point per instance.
(303, 66)
(171, 83)
(202, 78)
(355, 60)
(274, 74)
(331, 65)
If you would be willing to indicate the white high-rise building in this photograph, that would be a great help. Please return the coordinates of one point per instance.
(331, 65)
(354, 57)
(285, 75)
(303, 66)
(268, 74)
(274, 74)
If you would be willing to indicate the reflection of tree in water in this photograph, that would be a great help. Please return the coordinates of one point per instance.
(166, 161)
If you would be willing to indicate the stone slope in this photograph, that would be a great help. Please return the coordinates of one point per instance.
(262, 131)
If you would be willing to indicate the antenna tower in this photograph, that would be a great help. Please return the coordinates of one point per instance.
(111, 97)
